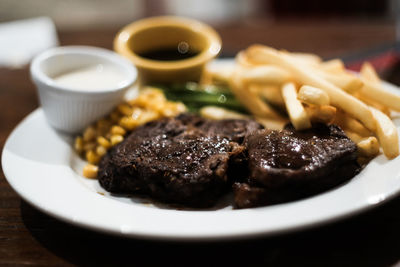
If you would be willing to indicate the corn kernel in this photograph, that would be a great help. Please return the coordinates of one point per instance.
(157, 106)
(92, 157)
(101, 150)
(124, 109)
(147, 116)
(89, 134)
(118, 130)
(136, 112)
(148, 96)
(90, 171)
(128, 123)
(78, 144)
(154, 94)
(172, 109)
(168, 111)
(116, 139)
(103, 142)
(180, 107)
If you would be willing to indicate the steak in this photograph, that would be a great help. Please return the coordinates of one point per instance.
(182, 160)
(232, 129)
(192, 161)
(289, 165)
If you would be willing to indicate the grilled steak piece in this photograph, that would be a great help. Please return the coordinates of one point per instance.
(288, 165)
(232, 129)
(178, 160)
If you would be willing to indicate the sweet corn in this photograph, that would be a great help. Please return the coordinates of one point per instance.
(151, 104)
(167, 110)
(118, 130)
(147, 97)
(90, 171)
(103, 142)
(78, 144)
(136, 112)
(116, 139)
(101, 150)
(124, 109)
(89, 134)
(171, 109)
(92, 157)
(180, 107)
(147, 116)
(128, 123)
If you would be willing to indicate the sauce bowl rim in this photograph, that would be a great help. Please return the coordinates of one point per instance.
(104, 56)
(122, 39)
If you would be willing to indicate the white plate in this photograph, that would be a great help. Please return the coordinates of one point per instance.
(43, 169)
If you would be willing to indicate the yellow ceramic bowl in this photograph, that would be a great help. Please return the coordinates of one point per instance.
(161, 33)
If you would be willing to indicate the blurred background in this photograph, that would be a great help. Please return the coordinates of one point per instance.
(350, 29)
(91, 14)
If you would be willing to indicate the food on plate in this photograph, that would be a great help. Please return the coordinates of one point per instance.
(196, 96)
(327, 91)
(107, 132)
(335, 124)
(182, 160)
(297, 113)
(193, 161)
(287, 165)
(368, 147)
(386, 133)
(218, 113)
(313, 96)
(306, 76)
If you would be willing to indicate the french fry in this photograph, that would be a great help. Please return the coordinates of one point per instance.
(305, 75)
(297, 114)
(266, 74)
(347, 122)
(306, 58)
(271, 93)
(273, 124)
(376, 93)
(312, 95)
(353, 136)
(373, 91)
(333, 66)
(323, 114)
(345, 81)
(218, 113)
(250, 98)
(368, 72)
(368, 147)
(243, 61)
(217, 75)
(387, 134)
(372, 103)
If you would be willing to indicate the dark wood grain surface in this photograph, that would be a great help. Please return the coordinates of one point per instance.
(29, 237)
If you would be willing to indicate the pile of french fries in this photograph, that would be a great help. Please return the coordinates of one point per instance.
(312, 90)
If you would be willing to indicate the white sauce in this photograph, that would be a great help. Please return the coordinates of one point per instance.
(99, 77)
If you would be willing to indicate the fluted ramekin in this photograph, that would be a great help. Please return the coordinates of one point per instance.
(72, 109)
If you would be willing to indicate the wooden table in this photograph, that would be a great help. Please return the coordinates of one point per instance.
(29, 237)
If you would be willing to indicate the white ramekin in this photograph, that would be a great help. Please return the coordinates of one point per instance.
(71, 109)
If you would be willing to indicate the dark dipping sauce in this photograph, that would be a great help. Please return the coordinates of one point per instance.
(168, 54)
